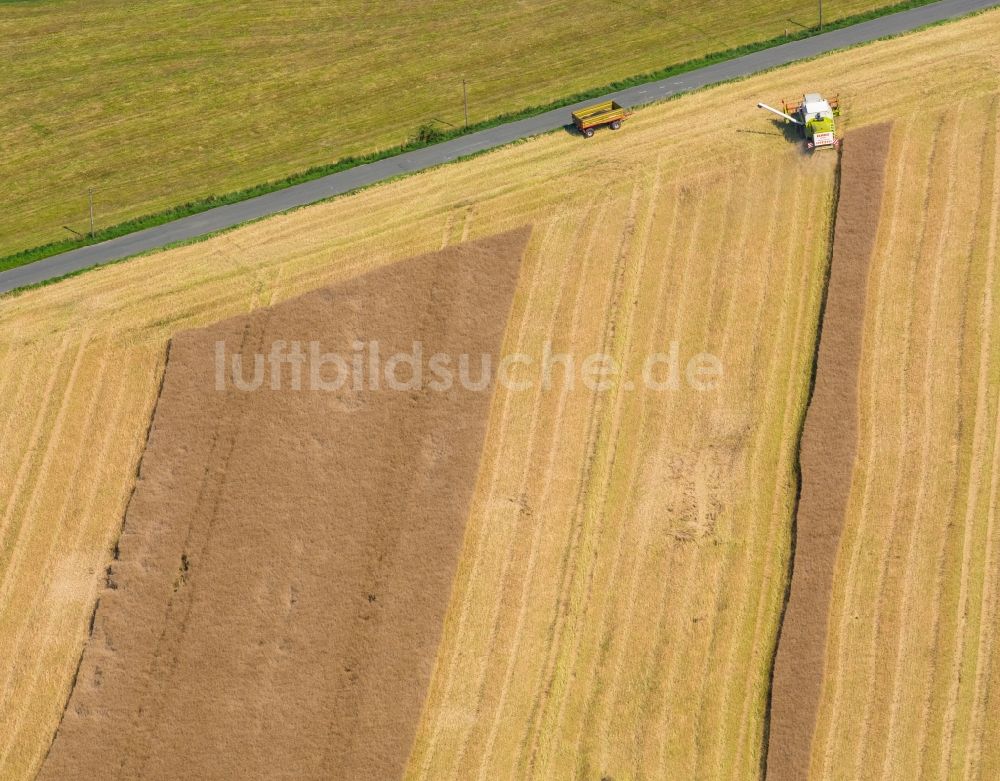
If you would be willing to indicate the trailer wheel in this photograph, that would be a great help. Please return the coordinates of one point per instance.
(616, 124)
(588, 132)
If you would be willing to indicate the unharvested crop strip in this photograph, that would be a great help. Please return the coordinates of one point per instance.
(826, 459)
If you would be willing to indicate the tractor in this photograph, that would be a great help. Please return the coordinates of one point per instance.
(814, 118)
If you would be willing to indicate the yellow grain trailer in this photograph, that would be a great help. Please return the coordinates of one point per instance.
(607, 113)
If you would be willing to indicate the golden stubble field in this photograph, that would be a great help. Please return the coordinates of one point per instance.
(618, 596)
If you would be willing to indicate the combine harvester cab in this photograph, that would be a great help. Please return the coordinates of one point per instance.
(815, 118)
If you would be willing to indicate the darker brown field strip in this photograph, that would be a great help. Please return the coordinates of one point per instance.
(287, 557)
(827, 454)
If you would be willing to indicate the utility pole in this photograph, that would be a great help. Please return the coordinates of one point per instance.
(465, 101)
(90, 198)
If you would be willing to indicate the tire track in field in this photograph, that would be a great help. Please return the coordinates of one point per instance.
(52, 446)
(467, 224)
(22, 482)
(573, 572)
(22, 409)
(508, 555)
(714, 648)
(89, 607)
(617, 634)
(529, 575)
(928, 717)
(67, 485)
(526, 578)
(575, 328)
(987, 617)
(144, 725)
(778, 209)
(737, 252)
(641, 254)
(16, 405)
(10, 356)
(655, 331)
(987, 627)
(878, 296)
(720, 265)
(599, 513)
(567, 576)
(736, 238)
(446, 231)
(612, 306)
(777, 197)
(655, 654)
(382, 572)
(618, 645)
(164, 658)
(504, 420)
(908, 431)
(864, 755)
(541, 693)
(112, 420)
(892, 741)
(979, 456)
(734, 247)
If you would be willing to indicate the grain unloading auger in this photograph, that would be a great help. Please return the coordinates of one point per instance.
(814, 117)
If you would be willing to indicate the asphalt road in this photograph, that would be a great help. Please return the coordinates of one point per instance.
(336, 184)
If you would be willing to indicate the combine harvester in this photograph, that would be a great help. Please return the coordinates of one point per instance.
(814, 117)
